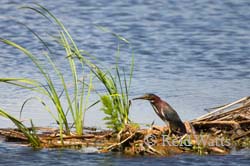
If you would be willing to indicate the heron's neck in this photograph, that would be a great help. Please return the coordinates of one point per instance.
(155, 101)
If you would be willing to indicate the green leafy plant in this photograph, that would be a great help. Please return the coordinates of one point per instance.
(115, 83)
(115, 103)
(77, 105)
(29, 133)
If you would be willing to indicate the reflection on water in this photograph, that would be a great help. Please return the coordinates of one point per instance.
(195, 54)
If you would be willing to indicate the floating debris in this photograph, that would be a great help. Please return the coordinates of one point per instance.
(218, 132)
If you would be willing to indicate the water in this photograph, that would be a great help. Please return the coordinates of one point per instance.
(11, 155)
(194, 54)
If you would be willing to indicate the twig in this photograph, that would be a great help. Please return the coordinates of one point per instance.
(154, 150)
(217, 150)
(220, 109)
(234, 124)
(242, 135)
(215, 123)
(70, 137)
(118, 144)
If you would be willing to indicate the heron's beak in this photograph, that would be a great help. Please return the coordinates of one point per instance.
(140, 98)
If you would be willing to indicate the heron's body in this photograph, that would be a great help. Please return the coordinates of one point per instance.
(166, 113)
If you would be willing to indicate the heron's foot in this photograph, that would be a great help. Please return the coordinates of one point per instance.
(167, 132)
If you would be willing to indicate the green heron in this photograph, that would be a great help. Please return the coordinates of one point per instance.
(166, 113)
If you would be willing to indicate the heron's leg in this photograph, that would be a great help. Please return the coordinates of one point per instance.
(169, 128)
(169, 131)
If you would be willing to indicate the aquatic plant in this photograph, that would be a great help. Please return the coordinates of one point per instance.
(30, 133)
(76, 105)
(115, 103)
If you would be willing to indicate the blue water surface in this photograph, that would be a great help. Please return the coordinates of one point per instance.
(24, 156)
(192, 53)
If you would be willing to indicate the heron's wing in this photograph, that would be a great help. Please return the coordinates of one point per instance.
(159, 112)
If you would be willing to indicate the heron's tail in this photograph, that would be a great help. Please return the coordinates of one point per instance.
(178, 127)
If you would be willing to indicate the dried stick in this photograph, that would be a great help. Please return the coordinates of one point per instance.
(118, 144)
(220, 109)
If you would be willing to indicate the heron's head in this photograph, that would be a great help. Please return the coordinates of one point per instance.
(148, 96)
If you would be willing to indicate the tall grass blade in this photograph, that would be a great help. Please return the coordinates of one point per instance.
(30, 134)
